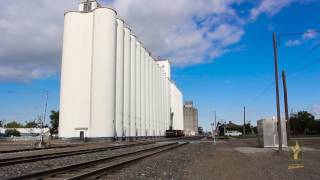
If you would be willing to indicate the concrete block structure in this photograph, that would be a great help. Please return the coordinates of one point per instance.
(111, 85)
(268, 134)
(190, 116)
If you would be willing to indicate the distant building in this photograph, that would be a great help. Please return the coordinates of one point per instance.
(190, 116)
(26, 132)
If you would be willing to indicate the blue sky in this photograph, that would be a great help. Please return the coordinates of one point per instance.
(221, 53)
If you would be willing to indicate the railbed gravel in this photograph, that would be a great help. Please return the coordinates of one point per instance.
(32, 167)
(167, 165)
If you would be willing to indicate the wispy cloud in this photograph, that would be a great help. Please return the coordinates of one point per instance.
(269, 7)
(310, 34)
(290, 43)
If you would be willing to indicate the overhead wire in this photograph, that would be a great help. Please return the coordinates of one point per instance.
(269, 86)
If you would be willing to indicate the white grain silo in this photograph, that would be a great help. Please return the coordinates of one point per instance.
(138, 88)
(147, 87)
(161, 101)
(158, 100)
(176, 107)
(119, 78)
(153, 109)
(88, 74)
(133, 88)
(155, 99)
(168, 103)
(143, 94)
(150, 95)
(147, 93)
(110, 85)
(126, 82)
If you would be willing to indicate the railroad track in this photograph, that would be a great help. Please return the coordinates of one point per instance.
(99, 167)
(35, 149)
(33, 158)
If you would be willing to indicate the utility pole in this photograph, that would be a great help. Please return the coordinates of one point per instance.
(244, 120)
(285, 95)
(214, 128)
(275, 51)
(43, 120)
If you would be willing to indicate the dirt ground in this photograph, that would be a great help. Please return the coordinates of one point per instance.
(229, 159)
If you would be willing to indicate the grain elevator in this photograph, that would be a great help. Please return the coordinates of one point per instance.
(111, 85)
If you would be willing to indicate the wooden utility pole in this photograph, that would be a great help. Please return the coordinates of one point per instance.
(244, 120)
(285, 95)
(275, 51)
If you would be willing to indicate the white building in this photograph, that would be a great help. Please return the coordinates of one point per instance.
(268, 133)
(27, 131)
(111, 86)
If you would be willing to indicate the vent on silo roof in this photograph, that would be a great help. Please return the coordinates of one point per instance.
(88, 5)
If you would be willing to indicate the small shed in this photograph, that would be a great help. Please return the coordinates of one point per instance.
(268, 134)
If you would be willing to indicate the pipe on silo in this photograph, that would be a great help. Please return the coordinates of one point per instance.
(133, 87)
(119, 79)
(126, 82)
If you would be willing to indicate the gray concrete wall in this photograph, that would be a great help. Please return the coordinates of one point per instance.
(190, 116)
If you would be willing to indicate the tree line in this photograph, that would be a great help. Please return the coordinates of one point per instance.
(36, 123)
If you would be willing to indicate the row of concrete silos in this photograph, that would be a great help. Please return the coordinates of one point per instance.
(111, 86)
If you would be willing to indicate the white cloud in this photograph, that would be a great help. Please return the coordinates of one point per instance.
(31, 38)
(179, 30)
(186, 31)
(291, 43)
(316, 110)
(269, 7)
(226, 34)
(310, 34)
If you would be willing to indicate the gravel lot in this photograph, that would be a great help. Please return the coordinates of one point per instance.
(227, 160)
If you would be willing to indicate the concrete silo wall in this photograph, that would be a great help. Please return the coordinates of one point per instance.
(111, 86)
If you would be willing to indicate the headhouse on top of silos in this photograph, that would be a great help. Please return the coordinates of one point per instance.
(111, 85)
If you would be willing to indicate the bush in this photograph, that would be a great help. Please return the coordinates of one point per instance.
(12, 132)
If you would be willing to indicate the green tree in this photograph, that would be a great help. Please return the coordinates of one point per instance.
(54, 121)
(249, 128)
(13, 124)
(32, 124)
(200, 130)
(302, 122)
(12, 132)
(1, 123)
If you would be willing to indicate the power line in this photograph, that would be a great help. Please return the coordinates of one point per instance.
(303, 56)
(299, 33)
(315, 61)
(267, 88)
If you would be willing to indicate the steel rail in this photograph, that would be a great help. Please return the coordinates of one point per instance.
(33, 158)
(94, 167)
